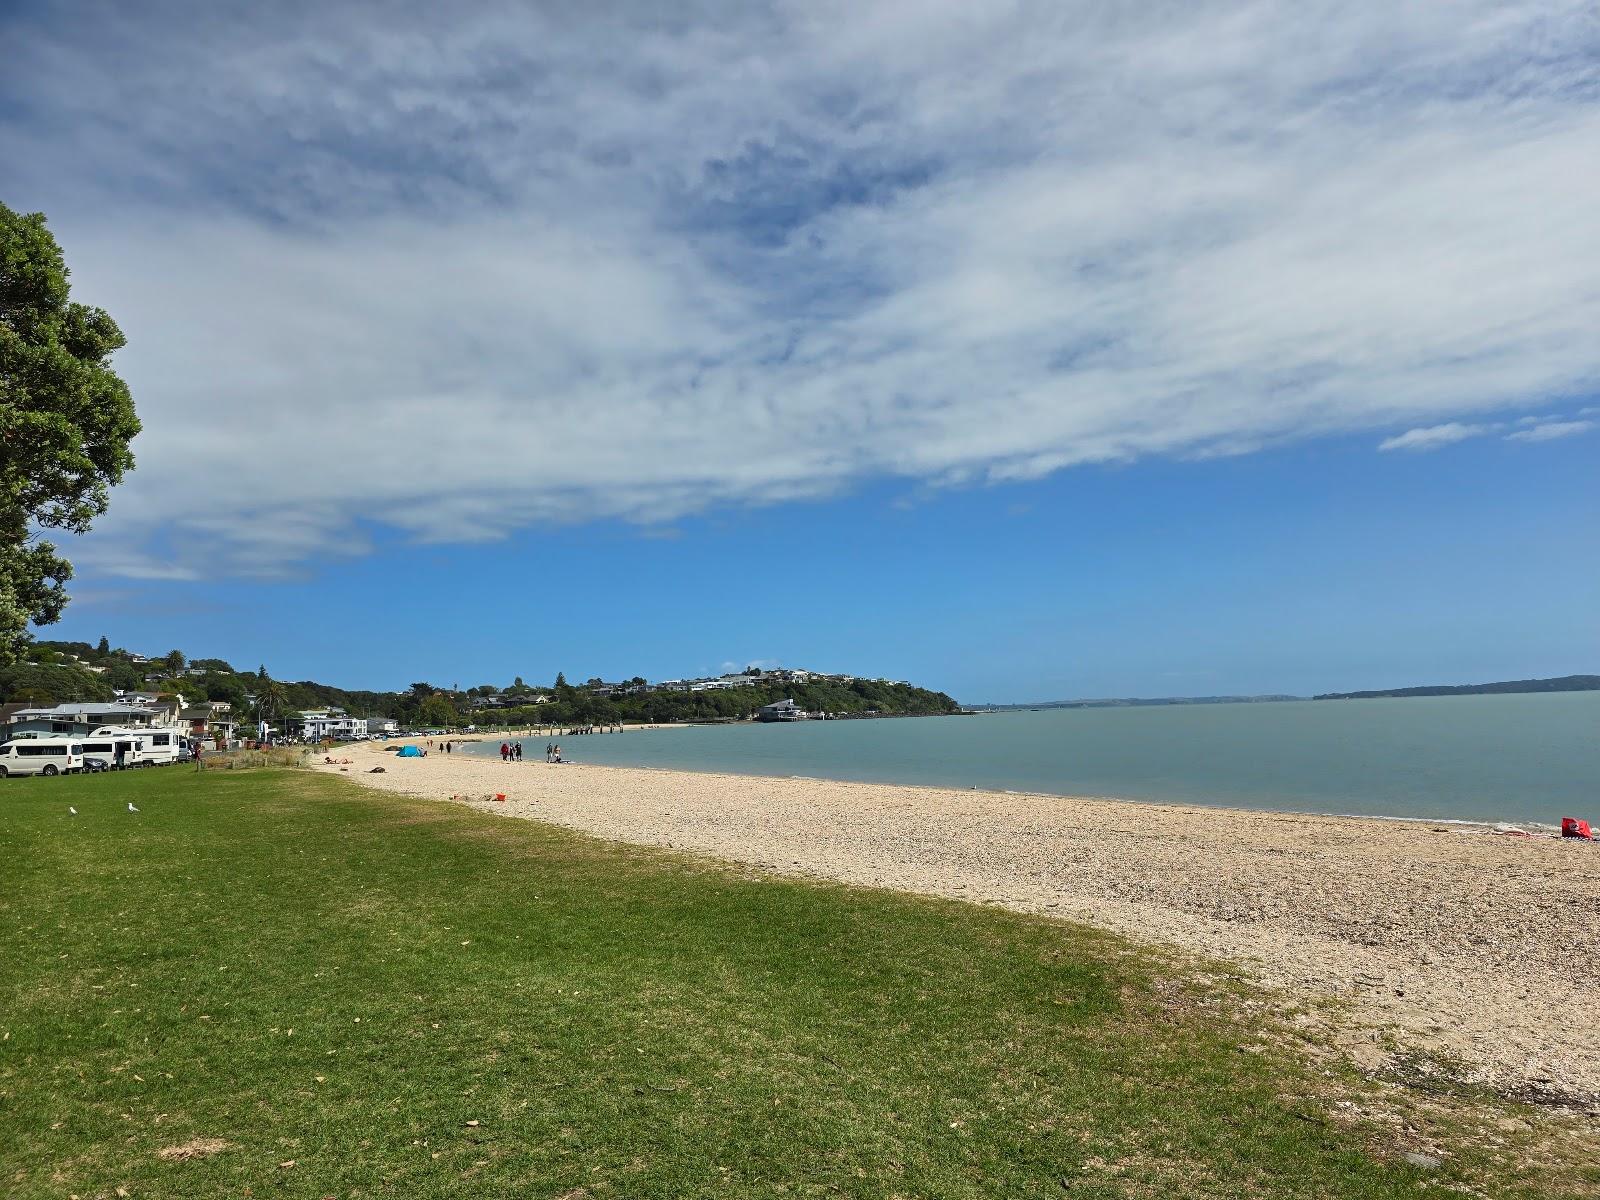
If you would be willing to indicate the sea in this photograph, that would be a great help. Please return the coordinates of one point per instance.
(1523, 759)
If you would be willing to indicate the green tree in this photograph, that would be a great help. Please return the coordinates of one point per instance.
(174, 661)
(65, 423)
(436, 711)
(125, 677)
(104, 648)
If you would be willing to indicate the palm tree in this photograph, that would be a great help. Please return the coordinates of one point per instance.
(271, 696)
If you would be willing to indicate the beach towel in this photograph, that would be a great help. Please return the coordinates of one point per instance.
(1572, 827)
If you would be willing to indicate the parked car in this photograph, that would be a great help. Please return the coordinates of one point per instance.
(91, 765)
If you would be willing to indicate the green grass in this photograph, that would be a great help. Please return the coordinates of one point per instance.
(344, 981)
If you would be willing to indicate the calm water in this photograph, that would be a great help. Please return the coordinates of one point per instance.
(1514, 758)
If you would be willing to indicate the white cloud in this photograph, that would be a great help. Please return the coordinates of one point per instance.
(459, 273)
(1434, 436)
(1550, 431)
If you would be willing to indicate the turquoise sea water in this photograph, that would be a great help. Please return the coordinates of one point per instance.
(1513, 758)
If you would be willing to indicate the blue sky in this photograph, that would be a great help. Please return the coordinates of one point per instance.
(1023, 350)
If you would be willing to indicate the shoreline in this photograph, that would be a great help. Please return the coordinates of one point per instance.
(1452, 943)
(1494, 825)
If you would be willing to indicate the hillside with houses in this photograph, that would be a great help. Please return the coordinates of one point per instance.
(73, 687)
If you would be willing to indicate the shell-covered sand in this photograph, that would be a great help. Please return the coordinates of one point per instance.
(1448, 940)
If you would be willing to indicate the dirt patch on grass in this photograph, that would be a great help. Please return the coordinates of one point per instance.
(200, 1147)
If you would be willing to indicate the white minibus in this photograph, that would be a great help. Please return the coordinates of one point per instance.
(41, 756)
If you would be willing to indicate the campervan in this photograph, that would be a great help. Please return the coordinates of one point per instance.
(156, 747)
(41, 756)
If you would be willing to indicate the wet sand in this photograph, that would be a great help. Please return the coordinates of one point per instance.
(1442, 939)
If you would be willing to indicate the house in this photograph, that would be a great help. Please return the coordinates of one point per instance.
(211, 718)
(166, 708)
(780, 710)
(75, 719)
(335, 723)
(514, 700)
(382, 727)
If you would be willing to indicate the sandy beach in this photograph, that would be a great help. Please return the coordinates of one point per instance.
(1479, 949)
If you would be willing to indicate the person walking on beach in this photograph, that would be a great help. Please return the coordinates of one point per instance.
(517, 752)
(505, 752)
(549, 750)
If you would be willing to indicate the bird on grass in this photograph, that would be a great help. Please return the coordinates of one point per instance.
(72, 810)
(131, 808)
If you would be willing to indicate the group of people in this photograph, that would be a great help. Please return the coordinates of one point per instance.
(512, 752)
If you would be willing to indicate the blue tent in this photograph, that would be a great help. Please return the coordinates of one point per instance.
(409, 752)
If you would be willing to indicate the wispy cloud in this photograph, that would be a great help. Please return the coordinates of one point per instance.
(1550, 431)
(455, 272)
(1433, 437)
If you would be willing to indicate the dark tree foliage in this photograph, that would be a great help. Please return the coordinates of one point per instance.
(66, 420)
(51, 684)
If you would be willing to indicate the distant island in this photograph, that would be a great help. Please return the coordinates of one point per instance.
(1565, 683)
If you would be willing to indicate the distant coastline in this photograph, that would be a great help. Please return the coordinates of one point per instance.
(1563, 683)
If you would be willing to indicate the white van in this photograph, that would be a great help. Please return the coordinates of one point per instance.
(41, 756)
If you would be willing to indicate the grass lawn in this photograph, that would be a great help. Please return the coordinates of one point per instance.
(273, 983)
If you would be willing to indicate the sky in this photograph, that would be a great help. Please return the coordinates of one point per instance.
(1021, 350)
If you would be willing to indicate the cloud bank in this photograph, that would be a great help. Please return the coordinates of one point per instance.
(454, 272)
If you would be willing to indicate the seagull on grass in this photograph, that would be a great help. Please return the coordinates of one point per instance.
(131, 808)
(72, 810)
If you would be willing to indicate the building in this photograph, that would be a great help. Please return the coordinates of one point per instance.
(513, 700)
(166, 707)
(211, 718)
(335, 723)
(780, 710)
(76, 719)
